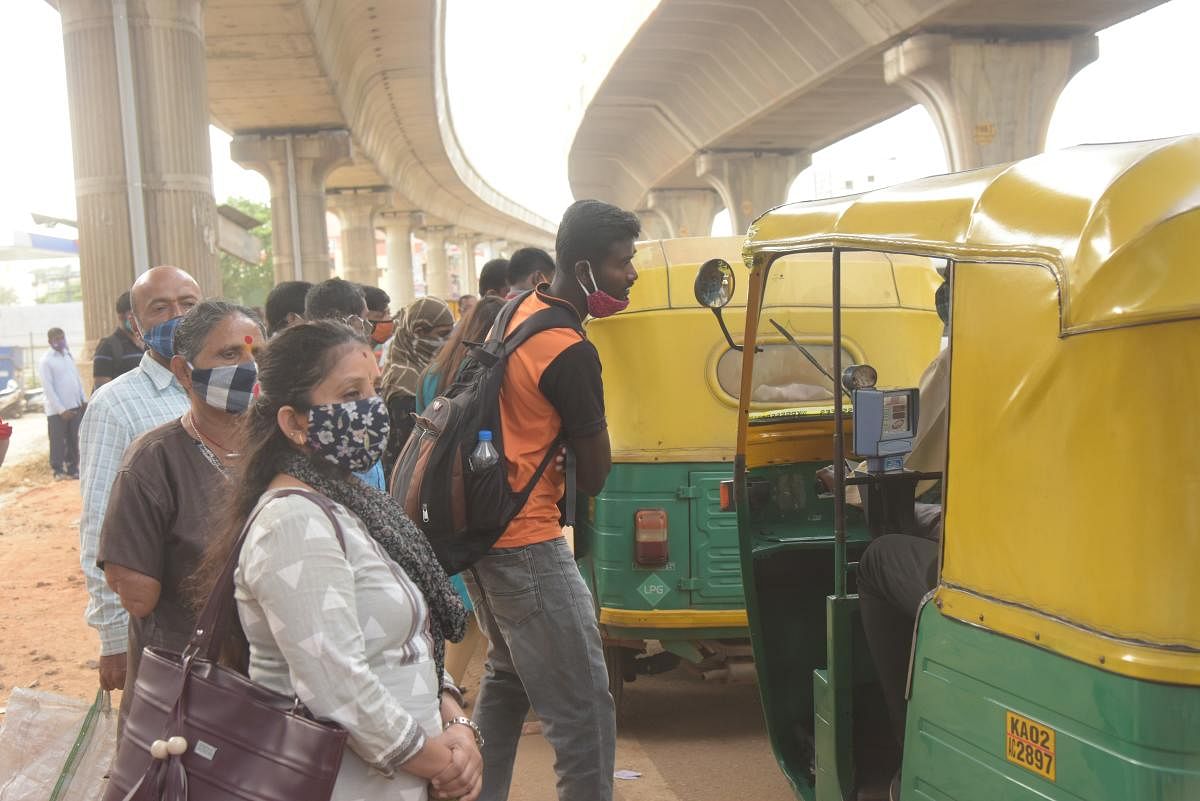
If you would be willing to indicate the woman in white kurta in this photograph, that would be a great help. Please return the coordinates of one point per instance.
(353, 628)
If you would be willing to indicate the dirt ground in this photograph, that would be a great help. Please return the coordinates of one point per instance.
(44, 641)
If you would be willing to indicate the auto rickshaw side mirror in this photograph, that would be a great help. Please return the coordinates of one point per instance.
(714, 288)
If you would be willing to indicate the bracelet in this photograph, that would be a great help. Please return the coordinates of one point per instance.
(465, 721)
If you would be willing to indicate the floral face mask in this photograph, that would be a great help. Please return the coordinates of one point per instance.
(352, 435)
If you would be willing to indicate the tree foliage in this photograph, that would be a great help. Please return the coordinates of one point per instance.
(249, 284)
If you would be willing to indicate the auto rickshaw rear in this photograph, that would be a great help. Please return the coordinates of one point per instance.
(1058, 655)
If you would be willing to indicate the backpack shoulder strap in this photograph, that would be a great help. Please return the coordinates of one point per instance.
(554, 316)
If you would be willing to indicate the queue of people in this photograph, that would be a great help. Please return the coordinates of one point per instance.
(275, 434)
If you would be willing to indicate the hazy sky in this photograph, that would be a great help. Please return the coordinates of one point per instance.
(518, 92)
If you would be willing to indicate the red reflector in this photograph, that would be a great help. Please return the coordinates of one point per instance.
(727, 495)
(651, 546)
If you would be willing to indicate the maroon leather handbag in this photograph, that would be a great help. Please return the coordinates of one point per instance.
(197, 731)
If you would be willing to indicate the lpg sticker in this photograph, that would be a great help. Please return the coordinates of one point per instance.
(1029, 744)
(205, 750)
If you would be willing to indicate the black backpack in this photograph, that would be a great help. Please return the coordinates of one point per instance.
(463, 512)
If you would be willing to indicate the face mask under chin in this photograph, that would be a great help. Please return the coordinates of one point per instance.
(599, 303)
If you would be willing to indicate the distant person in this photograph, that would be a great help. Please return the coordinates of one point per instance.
(120, 411)
(285, 305)
(379, 318)
(545, 648)
(493, 278)
(465, 304)
(175, 476)
(65, 403)
(421, 330)
(528, 269)
(345, 302)
(120, 351)
(337, 299)
(5, 438)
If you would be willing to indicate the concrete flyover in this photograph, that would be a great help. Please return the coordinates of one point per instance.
(717, 105)
(340, 104)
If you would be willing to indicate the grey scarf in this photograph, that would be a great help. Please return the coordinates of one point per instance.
(402, 541)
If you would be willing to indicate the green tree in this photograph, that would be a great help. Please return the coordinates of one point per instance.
(249, 284)
(8, 296)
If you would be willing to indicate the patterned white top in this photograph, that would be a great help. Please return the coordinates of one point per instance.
(347, 632)
(120, 412)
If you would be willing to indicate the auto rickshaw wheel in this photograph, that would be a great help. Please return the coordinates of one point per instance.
(619, 661)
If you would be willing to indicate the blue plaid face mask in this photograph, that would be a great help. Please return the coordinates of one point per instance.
(161, 338)
(229, 387)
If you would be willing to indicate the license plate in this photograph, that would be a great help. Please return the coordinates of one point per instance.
(1029, 744)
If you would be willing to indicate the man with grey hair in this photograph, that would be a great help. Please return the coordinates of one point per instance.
(122, 409)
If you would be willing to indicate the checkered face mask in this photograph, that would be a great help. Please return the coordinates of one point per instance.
(229, 387)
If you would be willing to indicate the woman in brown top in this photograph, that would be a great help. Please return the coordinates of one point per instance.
(175, 477)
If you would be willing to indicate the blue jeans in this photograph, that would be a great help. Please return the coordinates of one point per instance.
(544, 651)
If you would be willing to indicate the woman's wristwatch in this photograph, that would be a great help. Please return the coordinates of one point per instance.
(465, 721)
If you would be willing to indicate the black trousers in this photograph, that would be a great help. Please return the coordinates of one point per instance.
(894, 574)
(64, 444)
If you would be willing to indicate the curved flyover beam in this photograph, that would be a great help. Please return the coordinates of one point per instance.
(387, 59)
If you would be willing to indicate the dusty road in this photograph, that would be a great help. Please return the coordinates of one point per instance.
(689, 740)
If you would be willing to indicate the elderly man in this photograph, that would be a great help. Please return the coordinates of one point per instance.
(120, 411)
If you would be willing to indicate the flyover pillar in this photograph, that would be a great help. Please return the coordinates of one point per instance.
(991, 99)
(164, 68)
(296, 166)
(469, 279)
(654, 225)
(687, 212)
(398, 277)
(437, 268)
(750, 182)
(356, 212)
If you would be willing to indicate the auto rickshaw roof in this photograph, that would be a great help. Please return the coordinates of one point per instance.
(1117, 223)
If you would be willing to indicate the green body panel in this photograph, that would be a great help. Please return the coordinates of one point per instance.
(704, 571)
(1117, 738)
(787, 556)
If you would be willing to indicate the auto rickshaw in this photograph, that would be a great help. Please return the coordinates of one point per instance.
(659, 554)
(1058, 655)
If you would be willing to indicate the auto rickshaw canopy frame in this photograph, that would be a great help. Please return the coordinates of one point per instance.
(1115, 228)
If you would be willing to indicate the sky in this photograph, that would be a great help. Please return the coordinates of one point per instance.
(518, 90)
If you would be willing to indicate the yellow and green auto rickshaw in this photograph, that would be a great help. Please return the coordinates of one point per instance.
(1058, 654)
(659, 554)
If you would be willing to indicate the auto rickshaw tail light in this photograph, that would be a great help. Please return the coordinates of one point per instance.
(727, 495)
(650, 542)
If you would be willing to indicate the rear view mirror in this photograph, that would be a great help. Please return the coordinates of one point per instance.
(714, 284)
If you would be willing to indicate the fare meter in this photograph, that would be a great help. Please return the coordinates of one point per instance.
(885, 420)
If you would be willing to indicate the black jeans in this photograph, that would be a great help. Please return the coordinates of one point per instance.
(894, 574)
(64, 443)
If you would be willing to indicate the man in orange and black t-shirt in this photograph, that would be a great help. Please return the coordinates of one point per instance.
(530, 599)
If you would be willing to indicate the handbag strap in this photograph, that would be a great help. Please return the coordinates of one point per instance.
(212, 622)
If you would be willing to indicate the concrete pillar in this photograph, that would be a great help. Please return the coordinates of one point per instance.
(437, 269)
(654, 225)
(356, 212)
(398, 277)
(990, 98)
(469, 278)
(170, 106)
(296, 166)
(750, 182)
(687, 212)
